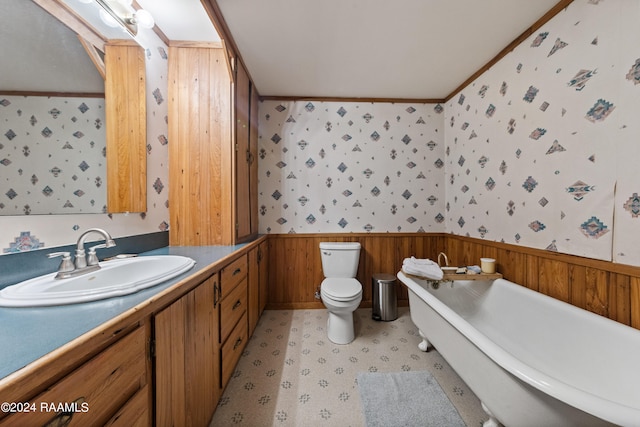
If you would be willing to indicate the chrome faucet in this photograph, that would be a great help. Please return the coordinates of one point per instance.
(84, 263)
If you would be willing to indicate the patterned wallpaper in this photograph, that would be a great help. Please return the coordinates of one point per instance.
(350, 167)
(23, 233)
(541, 149)
(52, 155)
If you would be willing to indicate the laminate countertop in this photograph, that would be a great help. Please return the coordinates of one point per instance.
(28, 333)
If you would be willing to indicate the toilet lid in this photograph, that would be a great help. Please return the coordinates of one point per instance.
(341, 289)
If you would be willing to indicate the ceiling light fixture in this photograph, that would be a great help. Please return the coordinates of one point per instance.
(122, 13)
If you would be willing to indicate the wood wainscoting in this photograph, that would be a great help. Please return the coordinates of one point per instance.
(605, 288)
(295, 266)
(608, 289)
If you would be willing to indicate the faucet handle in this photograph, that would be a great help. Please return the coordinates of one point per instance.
(92, 258)
(66, 264)
(62, 254)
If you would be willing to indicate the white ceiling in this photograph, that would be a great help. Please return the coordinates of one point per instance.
(373, 48)
(399, 49)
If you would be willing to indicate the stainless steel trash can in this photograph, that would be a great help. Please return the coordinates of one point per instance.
(385, 297)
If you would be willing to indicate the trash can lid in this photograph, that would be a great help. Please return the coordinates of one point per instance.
(384, 277)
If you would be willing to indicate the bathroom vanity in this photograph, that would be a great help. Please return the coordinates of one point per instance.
(158, 357)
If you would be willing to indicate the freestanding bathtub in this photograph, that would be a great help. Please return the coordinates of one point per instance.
(532, 360)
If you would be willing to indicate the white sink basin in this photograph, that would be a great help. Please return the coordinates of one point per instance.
(115, 278)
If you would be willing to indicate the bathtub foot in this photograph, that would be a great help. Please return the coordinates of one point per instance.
(424, 345)
(492, 421)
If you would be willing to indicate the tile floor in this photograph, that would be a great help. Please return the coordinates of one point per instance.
(290, 374)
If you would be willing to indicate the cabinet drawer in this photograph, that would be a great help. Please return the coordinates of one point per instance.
(232, 308)
(232, 349)
(95, 391)
(135, 413)
(232, 274)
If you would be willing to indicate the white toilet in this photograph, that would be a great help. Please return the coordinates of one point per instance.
(340, 291)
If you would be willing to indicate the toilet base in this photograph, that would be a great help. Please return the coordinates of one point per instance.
(340, 328)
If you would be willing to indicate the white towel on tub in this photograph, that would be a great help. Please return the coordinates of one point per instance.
(422, 267)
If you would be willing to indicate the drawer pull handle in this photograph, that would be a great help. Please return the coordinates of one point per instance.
(238, 342)
(236, 271)
(63, 418)
(237, 304)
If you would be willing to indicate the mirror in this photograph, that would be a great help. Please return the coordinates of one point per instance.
(52, 117)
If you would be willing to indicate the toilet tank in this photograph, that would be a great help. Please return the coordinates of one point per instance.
(340, 259)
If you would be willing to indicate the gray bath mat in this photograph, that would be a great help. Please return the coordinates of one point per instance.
(405, 399)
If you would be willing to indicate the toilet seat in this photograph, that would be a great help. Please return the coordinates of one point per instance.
(341, 289)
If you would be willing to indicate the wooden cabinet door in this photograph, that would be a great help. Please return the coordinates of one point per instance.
(97, 391)
(253, 160)
(253, 290)
(263, 274)
(126, 128)
(258, 284)
(242, 104)
(187, 364)
(200, 152)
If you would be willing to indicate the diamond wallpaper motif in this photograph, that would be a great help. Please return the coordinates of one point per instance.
(545, 133)
(350, 167)
(20, 233)
(53, 155)
(539, 151)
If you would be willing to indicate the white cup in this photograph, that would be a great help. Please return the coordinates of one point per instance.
(488, 265)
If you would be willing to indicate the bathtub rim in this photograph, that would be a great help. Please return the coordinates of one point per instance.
(590, 403)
